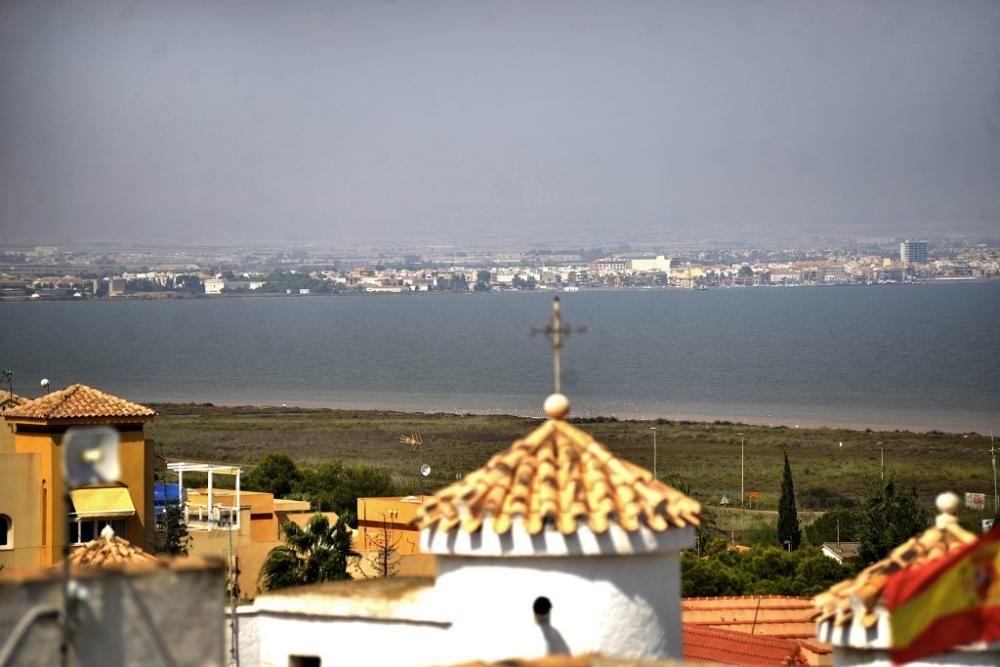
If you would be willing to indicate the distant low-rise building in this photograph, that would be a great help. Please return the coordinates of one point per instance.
(214, 285)
(659, 264)
(117, 287)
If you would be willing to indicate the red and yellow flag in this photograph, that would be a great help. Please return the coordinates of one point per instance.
(949, 602)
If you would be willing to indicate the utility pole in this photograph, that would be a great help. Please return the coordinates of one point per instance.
(993, 456)
(742, 494)
(882, 450)
(653, 429)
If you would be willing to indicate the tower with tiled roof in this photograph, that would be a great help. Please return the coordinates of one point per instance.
(557, 545)
(32, 475)
(852, 615)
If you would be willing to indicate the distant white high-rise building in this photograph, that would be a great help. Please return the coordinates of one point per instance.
(913, 252)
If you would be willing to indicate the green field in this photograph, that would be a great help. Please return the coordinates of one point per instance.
(704, 457)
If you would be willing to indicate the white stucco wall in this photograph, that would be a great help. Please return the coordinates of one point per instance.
(617, 606)
(345, 641)
(880, 658)
(856, 645)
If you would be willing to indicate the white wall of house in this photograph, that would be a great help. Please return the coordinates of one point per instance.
(853, 657)
(371, 642)
(613, 605)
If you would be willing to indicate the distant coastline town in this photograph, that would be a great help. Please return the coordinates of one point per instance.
(56, 273)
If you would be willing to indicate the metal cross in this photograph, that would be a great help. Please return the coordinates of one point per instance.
(556, 331)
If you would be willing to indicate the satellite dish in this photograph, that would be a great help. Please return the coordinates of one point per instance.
(90, 456)
(45, 384)
(425, 470)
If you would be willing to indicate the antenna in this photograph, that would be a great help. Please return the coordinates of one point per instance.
(8, 375)
(414, 440)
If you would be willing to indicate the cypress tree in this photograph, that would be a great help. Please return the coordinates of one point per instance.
(789, 533)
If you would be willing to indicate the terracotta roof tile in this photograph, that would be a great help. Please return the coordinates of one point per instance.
(704, 644)
(7, 398)
(111, 551)
(559, 474)
(867, 587)
(78, 401)
(781, 616)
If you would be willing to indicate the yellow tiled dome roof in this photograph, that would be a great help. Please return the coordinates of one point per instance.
(109, 550)
(78, 401)
(559, 474)
(930, 545)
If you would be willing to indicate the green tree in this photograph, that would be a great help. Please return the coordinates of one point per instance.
(888, 519)
(483, 279)
(336, 487)
(318, 552)
(765, 571)
(173, 539)
(709, 577)
(842, 525)
(275, 473)
(188, 283)
(789, 533)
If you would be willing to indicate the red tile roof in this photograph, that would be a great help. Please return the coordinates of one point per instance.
(79, 401)
(559, 474)
(705, 644)
(782, 616)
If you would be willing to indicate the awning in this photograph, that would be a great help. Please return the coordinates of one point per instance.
(102, 502)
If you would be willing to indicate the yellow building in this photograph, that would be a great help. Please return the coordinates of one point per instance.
(391, 521)
(244, 524)
(33, 524)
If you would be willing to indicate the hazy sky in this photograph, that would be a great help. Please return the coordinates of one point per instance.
(331, 121)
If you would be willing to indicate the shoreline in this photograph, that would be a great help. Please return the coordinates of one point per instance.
(170, 296)
(238, 408)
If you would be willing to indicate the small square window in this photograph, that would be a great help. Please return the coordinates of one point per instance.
(6, 539)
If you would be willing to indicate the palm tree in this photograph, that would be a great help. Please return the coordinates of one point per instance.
(318, 552)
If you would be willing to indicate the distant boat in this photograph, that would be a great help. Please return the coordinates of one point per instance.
(571, 288)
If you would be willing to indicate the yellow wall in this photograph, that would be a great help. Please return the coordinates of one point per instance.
(399, 516)
(135, 456)
(6, 437)
(254, 539)
(22, 502)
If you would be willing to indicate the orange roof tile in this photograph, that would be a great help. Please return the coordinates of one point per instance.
(111, 551)
(867, 587)
(78, 401)
(7, 396)
(705, 644)
(781, 616)
(559, 474)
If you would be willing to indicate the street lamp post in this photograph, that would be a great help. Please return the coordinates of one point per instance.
(653, 429)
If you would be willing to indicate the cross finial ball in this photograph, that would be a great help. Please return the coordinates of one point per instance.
(557, 406)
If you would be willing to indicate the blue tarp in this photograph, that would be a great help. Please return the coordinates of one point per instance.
(164, 493)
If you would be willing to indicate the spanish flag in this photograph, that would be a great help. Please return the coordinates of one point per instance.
(946, 603)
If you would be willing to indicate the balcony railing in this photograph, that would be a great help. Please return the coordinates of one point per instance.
(221, 517)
